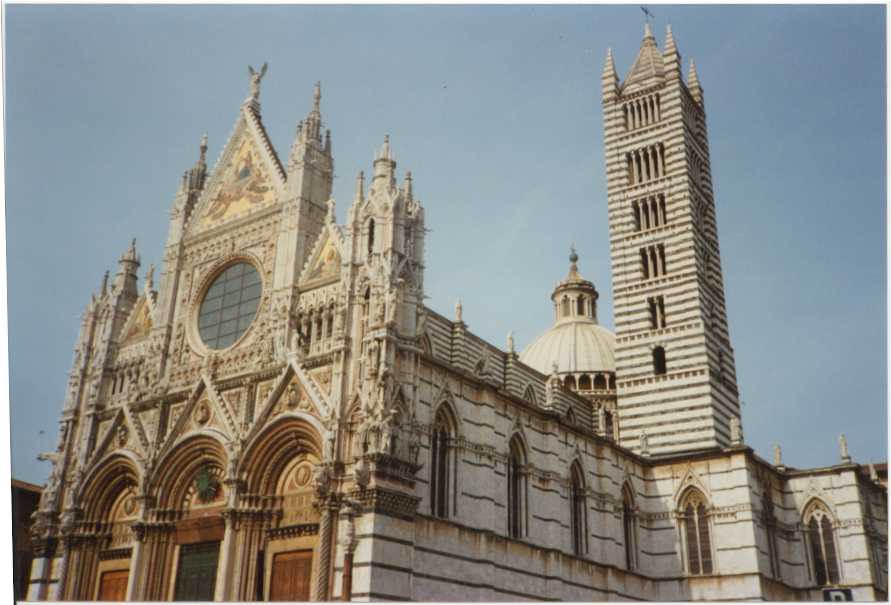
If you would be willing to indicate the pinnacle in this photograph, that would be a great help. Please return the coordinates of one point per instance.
(648, 33)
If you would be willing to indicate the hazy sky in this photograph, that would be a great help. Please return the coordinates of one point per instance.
(496, 111)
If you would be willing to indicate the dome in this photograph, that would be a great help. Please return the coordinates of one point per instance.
(575, 346)
(576, 342)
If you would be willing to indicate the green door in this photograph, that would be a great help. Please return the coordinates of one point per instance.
(197, 574)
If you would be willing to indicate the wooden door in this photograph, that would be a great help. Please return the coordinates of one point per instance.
(197, 574)
(291, 573)
(113, 585)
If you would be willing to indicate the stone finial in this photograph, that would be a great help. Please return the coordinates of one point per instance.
(203, 148)
(843, 449)
(510, 342)
(736, 436)
(150, 277)
(873, 474)
(317, 97)
(459, 311)
(693, 82)
(777, 455)
(644, 444)
(104, 288)
(256, 77)
(331, 216)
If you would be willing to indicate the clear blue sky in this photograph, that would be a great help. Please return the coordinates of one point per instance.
(496, 111)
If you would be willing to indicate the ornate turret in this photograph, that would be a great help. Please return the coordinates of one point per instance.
(125, 280)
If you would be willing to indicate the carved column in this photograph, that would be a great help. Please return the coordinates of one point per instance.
(320, 590)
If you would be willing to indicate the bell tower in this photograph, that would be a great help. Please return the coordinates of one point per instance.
(675, 373)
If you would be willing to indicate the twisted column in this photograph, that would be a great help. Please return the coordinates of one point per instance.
(321, 588)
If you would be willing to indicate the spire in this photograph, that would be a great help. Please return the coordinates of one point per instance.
(150, 278)
(693, 83)
(103, 289)
(125, 280)
(195, 177)
(671, 55)
(360, 188)
(384, 167)
(407, 188)
(313, 129)
(649, 63)
(317, 97)
(609, 79)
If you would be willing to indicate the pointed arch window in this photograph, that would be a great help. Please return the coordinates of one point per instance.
(565, 306)
(768, 519)
(820, 537)
(441, 464)
(370, 235)
(516, 488)
(696, 533)
(629, 527)
(578, 519)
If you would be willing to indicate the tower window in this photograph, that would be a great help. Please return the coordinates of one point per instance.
(657, 312)
(659, 366)
(600, 382)
(565, 305)
(580, 306)
(649, 212)
(584, 382)
(653, 261)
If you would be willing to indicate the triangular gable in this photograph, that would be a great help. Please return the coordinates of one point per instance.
(248, 176)
(139, 324)
(325, 259)
(294, 392)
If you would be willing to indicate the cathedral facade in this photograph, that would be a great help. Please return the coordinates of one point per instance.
(281, 417)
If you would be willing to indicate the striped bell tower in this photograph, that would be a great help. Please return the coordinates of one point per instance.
(675, 374)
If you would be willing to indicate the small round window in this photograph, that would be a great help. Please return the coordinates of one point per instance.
(229, 306)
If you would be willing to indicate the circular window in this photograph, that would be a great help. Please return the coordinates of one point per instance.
(229, 306)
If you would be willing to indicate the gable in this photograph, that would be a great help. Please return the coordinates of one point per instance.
(139, 324)
(243, 187)
(325, 261)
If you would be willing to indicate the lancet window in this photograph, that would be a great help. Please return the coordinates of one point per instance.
(820, 537)
(516, 488)
(768, 519)
(629, 520)
(441, 464)
(696, 533)
(578, 519)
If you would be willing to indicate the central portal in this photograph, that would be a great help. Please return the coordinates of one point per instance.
(197, 574)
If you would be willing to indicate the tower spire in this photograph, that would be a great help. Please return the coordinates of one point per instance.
(671, 55)
(693, 82)
(609, 79)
